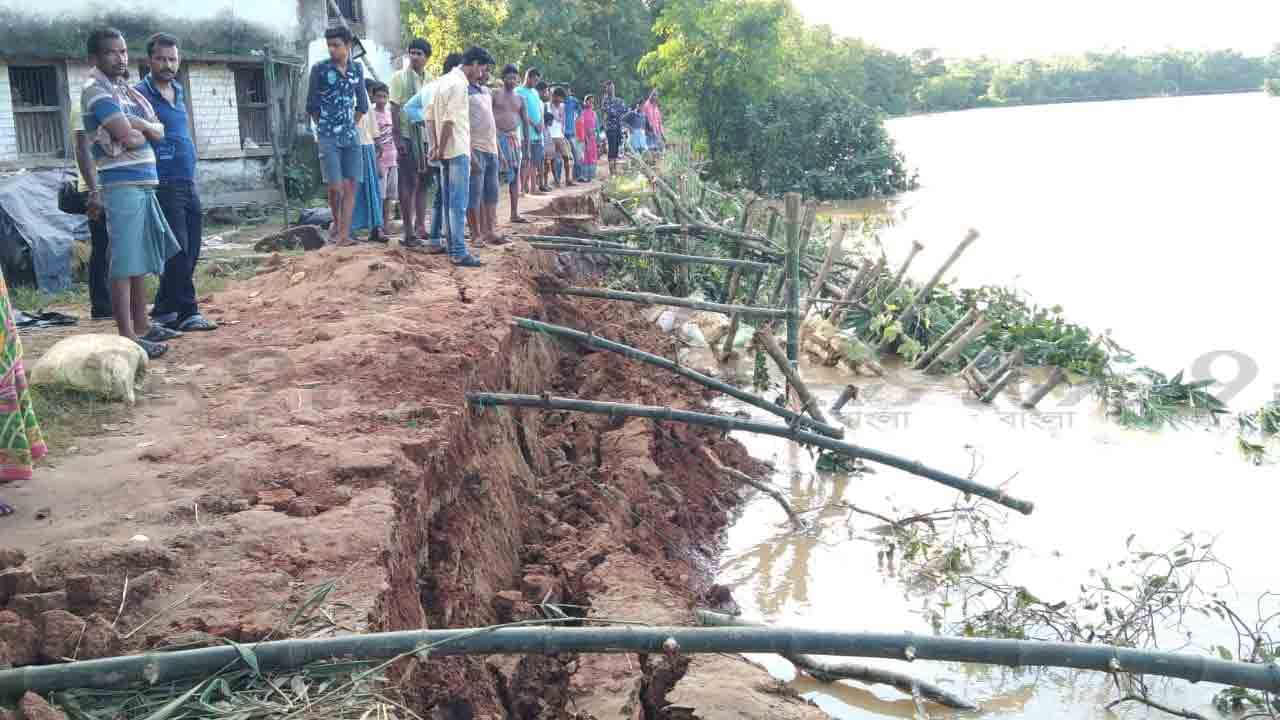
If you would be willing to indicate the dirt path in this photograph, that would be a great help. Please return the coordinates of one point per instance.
(322, 433)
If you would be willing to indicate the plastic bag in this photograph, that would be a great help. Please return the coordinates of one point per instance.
(106, 365)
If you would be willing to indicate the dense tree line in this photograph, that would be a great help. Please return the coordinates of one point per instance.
(777, 104)
(983, 82)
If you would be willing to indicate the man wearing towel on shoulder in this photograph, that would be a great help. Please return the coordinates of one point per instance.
(120, 122)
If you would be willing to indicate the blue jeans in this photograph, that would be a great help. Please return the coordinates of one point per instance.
(455, 194)
(177, 292)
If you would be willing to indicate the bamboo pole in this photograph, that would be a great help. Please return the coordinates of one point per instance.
(922, 297)
(764, 338)
(978, 360)
(835, 251)
(653, 299)
(796, 521)
(735, 319)
(728, 424)
(849, 393)
(592, 242)
(735, 275)
(792, 201)
(623, 209)
(156, 668)
(632, 353)
(847, 297)
(973, 333)
(829, 672)
(592, 249)
(1056, 378)
(1004, 375)
(754, 243)
(916, 247)
(923, 361)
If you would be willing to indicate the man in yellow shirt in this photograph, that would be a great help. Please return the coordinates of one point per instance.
(413, 174)
(450, 119)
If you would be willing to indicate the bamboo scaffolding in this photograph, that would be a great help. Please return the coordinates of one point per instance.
(728, 424)
(653, 299)
(835, 251)
(754, 243)
(847, 298)
(829, 672)
(158, 668)
(1056, 378)
(929, 354)
(977, 329)
(764, 338)
(592, 249)
(978, 361)
(629, 352)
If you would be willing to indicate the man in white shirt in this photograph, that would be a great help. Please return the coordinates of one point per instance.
(449, 119)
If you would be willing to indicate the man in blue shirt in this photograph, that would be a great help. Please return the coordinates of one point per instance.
(175, 305)
(337, 101)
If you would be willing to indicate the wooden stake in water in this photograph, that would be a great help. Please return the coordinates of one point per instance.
(835, 251)
(792, 201)
(1056, 378)
(973, 333)
(932, 351)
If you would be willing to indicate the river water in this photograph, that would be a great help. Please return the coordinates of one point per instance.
(1154, 218)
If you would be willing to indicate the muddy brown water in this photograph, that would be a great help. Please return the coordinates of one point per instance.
(1171, 249)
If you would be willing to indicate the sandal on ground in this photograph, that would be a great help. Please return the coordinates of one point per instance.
(154, 350)
(6, 509)
(499, 240)
(520, 220)
(160, 333)
(468, 261)
(197, 323)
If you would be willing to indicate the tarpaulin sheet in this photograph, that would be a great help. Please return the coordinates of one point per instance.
(35, 236)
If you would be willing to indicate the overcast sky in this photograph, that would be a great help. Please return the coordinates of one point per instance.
(1026, 28)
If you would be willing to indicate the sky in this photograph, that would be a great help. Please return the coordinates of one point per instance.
(1012, 29)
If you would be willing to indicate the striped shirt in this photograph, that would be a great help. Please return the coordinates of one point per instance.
(100, 102)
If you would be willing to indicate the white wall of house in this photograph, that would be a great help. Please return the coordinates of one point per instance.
(8, 135)
(213, 108)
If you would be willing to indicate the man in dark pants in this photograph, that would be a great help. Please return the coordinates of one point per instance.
(99, 265)
(175, 306)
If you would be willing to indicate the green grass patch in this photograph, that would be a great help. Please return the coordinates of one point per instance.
(66, 415)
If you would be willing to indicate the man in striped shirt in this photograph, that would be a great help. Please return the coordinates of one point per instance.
(120, 121)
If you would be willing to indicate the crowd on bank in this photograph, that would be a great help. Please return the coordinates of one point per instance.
(383, 142)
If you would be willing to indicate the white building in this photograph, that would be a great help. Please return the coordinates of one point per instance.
(225, 45)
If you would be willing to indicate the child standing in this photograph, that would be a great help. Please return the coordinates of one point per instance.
(388, 162)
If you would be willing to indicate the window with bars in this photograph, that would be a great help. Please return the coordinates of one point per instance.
(251, 99)
(350, 10)
(38, 111)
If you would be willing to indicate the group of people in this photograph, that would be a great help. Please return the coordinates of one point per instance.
(383, 142)
(137, 167)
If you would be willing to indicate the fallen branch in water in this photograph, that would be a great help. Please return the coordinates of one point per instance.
(763, 487)
(829, 672)
(1191, 714)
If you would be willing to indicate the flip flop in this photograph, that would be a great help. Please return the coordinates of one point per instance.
(6, 509)
(470, 261)
(500, 240)
(197, 323)
(520, 220)
(154, 350)
(160, 334)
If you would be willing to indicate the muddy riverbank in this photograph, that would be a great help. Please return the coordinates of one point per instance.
(322, 434)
